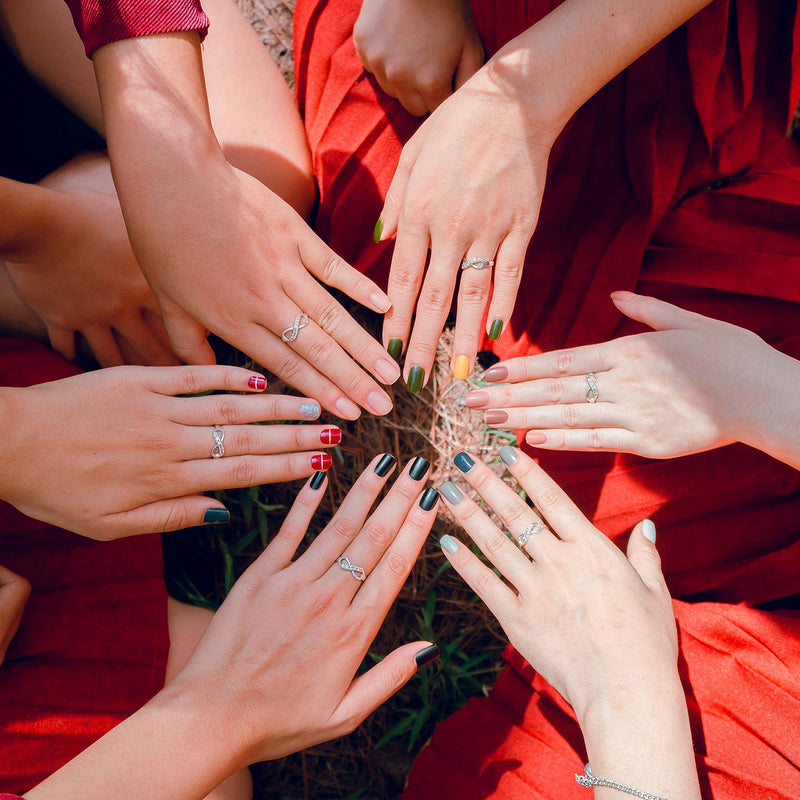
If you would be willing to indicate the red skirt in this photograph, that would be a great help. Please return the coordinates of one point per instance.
(676, 180)
(93, 643)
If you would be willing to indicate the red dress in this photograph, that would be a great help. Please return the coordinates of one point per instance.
(632, 202)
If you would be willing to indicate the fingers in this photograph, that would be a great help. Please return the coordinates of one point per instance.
(200, 379)
(543, 392)
(241, 409)
(164, 515)
(567, 416)
(392, 205)
(555, 364)
(187, 336)
(136, 336)
(62, 341)
(614, 440)
(656, 313)
(642, 553)
(103, 345)
(507, 275)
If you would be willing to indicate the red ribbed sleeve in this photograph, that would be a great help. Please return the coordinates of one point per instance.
(100, 22)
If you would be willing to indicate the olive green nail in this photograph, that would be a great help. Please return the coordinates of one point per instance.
(378, 230)
(395, 348)
(416, 376)
(496, 330)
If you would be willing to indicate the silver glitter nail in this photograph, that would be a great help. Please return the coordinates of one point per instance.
(309, 410)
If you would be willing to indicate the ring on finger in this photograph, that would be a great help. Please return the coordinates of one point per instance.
(591, 392)
(218, 450)
(357, 572)
(531, 530)
(293, 331)
(477, 263)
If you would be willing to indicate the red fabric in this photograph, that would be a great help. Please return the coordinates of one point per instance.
(93, 642)
(629, 204)
(100, 22)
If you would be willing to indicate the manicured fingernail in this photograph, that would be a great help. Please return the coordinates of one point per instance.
(377, 231)
(347, 409)
(448, 544)
(257, 382)
(495, 374)
(216, 516)
(416, 378)
(477, 400)
(461, 368)
(509, 455)
(428, 499)
(321, 461)
(451, 493)
(534, 437)
(419, 466)
(395, 348)
(496, 330)
(463, 462)
(495, 417)
(384, 466)
(388, 371)
(649, 530)
(330, 436)
(379, 403)
(316, 480)
(379, 302)
(309, 410)
(426, 656)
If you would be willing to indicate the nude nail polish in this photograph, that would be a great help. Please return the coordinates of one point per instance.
(461, 368)
(321, 461)
(387, 370)
(495, 374)
(330, 436)
(534, 437)
(495, 417)
(477, 400)
(257, 382)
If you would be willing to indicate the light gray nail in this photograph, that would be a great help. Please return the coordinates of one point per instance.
(309, 410)
(509, 455)
(649, 530)
(451, 493)
(448, 544)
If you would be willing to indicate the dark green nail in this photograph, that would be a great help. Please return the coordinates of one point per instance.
(496, 330)
(428, 499)
(378, 230)
(418, 468)
(416, 377)
(395, 348)
(216, 516)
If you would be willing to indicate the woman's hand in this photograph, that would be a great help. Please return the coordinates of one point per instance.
(14, 593)
(418, 50)
(694, 384)
(115, 452)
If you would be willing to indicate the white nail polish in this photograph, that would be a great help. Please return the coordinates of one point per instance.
(649, 530)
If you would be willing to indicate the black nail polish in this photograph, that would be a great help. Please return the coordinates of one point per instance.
(426, 656)
(384, 466)
(316, 480)
(463, 462)
(428, 499)
(216, 516)
(419, 466)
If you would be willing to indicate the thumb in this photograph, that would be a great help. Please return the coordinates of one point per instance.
(187, 335)
(644, 557)
(165, 515)
(386, 227)
(655, 313)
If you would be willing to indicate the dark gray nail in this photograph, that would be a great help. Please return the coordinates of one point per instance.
(426, 656)
(316, 480)
(428, 499)
(384, 466)
(509, 455)
(216, 516)
(419, 466)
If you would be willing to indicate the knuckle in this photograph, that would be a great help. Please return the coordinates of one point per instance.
(330, 318)
(320, 350)
(378, 533)
(245, 471)
(192, 383)
(331, 267)
(397, 565)
(247, 440)
(554, 390)
(595, 439)
(494, 543)
(474, 294)
(570, 416)
(564, 362)
(226, 411)
(513, 512)
(549, 501)
(425, 349)
(414, 218)
(436, 300)
(290, 367)
(483, 583)
(340, 528)
(176, 519)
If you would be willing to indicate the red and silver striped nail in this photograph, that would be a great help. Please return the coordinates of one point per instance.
(330, 436)
(257, 382)
(321, 462)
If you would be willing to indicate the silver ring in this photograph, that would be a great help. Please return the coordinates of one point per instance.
(592, 393)
(290, 334)
(357, 572)
(476, 263)
(531, 530)
(218, 450)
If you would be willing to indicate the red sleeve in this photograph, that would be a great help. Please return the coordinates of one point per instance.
(100, 22)
(9, 797)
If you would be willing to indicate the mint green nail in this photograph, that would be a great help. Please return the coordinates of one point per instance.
(448, 544)
(416, 376)
(378, 230)
(496, 330)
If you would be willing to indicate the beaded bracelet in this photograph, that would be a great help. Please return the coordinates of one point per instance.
(589, 779)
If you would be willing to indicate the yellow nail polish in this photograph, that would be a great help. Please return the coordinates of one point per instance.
(461, 367)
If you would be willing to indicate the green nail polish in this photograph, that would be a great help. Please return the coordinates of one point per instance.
(415, 378)
(496, 330)
(395, 348)
(378, 230)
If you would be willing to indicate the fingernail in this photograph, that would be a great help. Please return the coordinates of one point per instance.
(495, 374)
(316, 480)
(395, 348)
(419, 466)
(377, 231)
(384, 466)
(416, 377)
(463, 462)
(461, 368)
(448, 544)
(379, 403)
(257, 382)
(649, 530)
(216, 516)
(496, 330)
(380, 302)
(509, 455)
(428, 499)
(451, 493)
(426, 656)
(388, 371)
(347, 409)
(534, 437)
(331, 436)
(477, 400)
(309, 410)
(495, 417)
(321, 461)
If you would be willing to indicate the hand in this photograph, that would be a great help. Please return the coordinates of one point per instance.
(418, 50)
(123, 455)
(83, 278)
(14, 593)
(468, 185)
(694, 384)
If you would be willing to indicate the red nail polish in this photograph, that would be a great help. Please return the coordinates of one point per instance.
(257, 382)
(321, 462)
(331, 436)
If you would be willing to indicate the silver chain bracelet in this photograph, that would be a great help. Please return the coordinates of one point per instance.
(589, 779)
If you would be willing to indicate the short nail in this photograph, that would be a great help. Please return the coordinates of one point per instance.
(649, 530)
(316, 480)
(463, 462)
(461, 368)
(416, 377)
(384, 465)
(509, 455)
(477, 400)
(496, 330)
(448, 544)
(419, 466)
(428, 499)
(321, 461)
(451, 493)
(377, 231)
(387, 370)
(331, 436)
(395, 348)
(534, 437)
(257, 382)
(216, 516)
(347, 409)
(378, 403)
(495, 417)
(309, 410)
(495, 374)
(380, 302)
(426, 656)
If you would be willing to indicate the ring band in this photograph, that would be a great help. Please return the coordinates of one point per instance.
(357, 572)
(218, 450)
(531, 530)
(591, 393)
(290, 334)
(477, 263)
